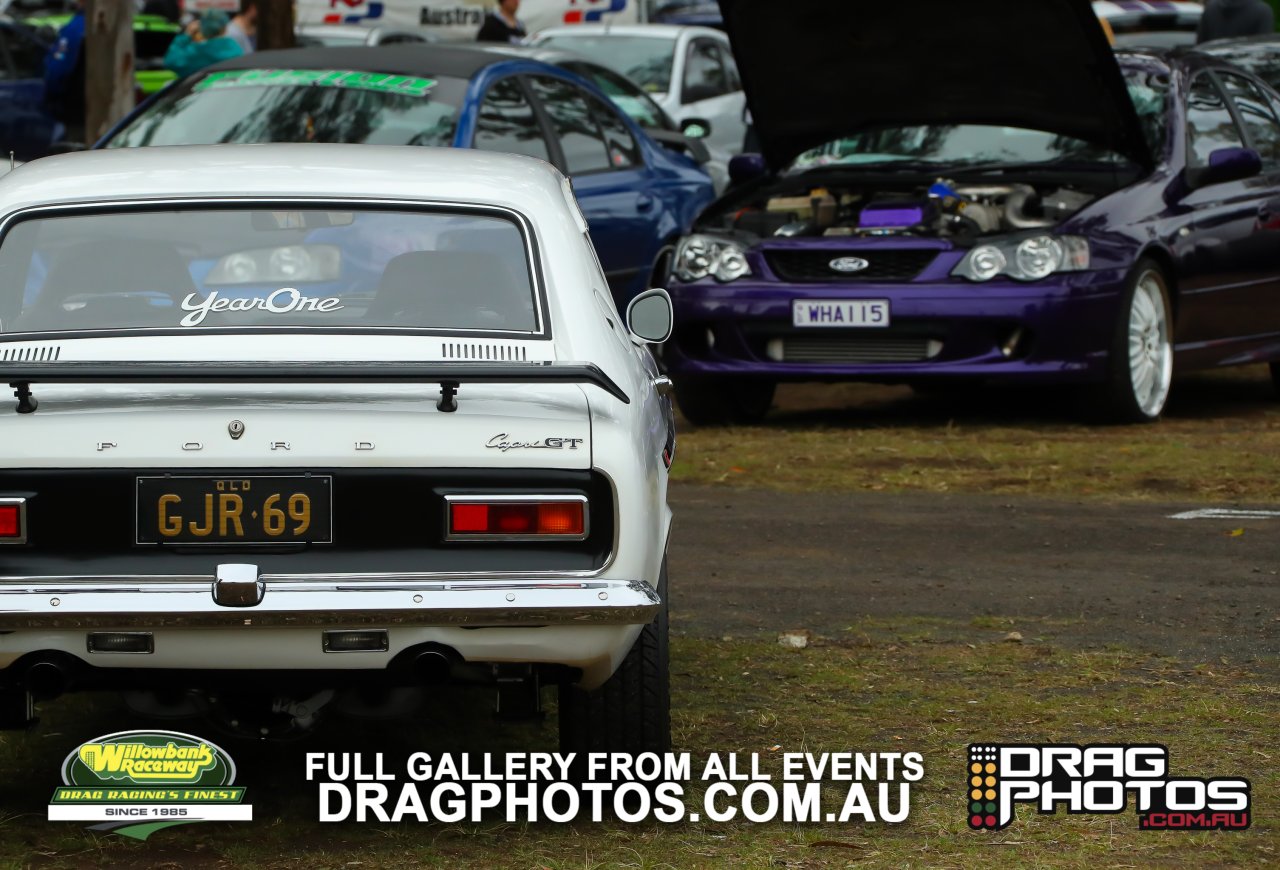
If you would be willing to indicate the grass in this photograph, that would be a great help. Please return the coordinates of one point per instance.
(929, 686)
(1219, 441)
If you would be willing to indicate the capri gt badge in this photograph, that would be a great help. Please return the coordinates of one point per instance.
(848, 264)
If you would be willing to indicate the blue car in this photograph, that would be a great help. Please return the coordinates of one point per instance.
(27, 128)
(637, 195)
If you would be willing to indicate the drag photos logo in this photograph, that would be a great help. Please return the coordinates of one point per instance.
(1099, 779)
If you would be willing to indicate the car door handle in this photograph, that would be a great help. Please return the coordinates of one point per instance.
(644, 202)
(664, 385)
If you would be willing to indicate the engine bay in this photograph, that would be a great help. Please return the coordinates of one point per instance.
(944, 209)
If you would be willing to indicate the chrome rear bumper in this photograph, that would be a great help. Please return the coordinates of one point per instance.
(345, 600)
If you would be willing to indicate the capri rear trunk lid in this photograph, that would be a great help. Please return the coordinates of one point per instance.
(819, 71)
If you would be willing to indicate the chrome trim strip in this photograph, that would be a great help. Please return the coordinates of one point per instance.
(22, 520)
(471, 579)
(514, 498)
(184, 605)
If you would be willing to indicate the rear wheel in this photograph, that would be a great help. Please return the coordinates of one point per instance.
(717, 401)
(631, 712)
(1275, 377)
(1140, 365)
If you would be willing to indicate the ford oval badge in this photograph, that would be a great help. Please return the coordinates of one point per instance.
(848, 264)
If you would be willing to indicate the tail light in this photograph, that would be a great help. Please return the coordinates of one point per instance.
(13, 520)
(516, 517)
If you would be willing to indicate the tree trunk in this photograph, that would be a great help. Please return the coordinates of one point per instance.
(275, 24)
(109, 86)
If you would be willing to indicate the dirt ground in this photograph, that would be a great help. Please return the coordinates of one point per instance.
(1079, 572)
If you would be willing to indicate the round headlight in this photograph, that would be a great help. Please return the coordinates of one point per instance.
(1037, 257)
(237, 269)
(290, 263)
(694, 261)
(731, 265)
(985, 263)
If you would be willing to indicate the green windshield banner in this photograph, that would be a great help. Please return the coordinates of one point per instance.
(384, 83)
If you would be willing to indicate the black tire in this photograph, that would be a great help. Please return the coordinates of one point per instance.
(631, 712)
(720, 401)
(1118, 398)
(1275, 377)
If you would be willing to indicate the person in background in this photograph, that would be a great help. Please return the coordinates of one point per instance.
(501, 25)
(204, 43)
(1227, 18)
(244, 26)
(64, 76)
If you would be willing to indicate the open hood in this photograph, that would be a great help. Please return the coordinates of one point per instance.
(817, 70)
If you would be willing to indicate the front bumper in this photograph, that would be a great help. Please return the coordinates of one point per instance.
(1058, 330)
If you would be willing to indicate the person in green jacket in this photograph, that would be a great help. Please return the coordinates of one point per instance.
(204, 43)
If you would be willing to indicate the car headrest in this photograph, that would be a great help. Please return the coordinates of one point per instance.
(100, 269)
(452, 289)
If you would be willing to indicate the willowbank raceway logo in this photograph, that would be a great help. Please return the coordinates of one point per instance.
(1099, 779)
(136, 782)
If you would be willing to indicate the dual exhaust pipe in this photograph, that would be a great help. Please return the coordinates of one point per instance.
(430, 664)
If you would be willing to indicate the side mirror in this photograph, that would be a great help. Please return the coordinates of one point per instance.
(745, 167)
(650, 316)
(1225, 164)
(696, 128)
(680, 142)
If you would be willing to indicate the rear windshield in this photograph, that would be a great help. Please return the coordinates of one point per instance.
(258, 269)
(273, 105)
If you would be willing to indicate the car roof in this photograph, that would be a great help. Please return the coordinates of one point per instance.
(418, 59)
(541, 53)
(665, 31)
(527, 184)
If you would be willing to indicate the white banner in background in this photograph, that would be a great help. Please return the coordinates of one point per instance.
(458, 20)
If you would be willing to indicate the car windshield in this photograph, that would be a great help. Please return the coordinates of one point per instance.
(238, 106)
(638, 105)
(961, 144)
(266, 267)
(646, 60)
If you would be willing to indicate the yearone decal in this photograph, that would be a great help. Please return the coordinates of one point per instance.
(283, 301)
(502, 442)
(1099, 779)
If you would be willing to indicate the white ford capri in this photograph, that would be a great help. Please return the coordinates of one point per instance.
(303, 426)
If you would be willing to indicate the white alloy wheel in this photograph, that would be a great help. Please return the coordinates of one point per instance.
(1150, 350)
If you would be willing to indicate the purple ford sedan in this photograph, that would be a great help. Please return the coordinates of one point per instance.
(987, 194)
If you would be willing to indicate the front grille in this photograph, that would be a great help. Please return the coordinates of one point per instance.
(851, 349)
(883, 264)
